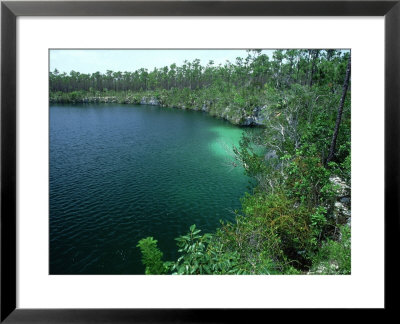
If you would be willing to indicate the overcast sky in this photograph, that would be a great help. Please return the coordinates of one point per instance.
(90, 61)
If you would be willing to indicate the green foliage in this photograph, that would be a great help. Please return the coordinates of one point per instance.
(318, 222)
(334, 256)
(282, 227)
(151, 256)
(193, 259)
(201, 254)
(308, 180)
(247, 155)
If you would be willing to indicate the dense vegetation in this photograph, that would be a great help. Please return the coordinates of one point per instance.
(297, 218)
(231, 91)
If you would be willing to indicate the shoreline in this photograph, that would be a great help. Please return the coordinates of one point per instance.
(244, 120)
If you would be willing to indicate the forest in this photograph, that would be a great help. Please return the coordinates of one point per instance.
(297, 218)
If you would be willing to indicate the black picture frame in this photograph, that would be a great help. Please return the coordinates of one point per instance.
(10, 10)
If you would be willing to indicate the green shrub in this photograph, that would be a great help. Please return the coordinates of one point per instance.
(334, 257)
(151, 256)
(308, 180)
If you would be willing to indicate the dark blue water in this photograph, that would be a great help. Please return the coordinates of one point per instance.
(119, 173)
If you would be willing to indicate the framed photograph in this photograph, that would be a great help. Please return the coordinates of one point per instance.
(110, 194)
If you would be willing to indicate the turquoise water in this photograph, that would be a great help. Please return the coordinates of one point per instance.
(119, 173)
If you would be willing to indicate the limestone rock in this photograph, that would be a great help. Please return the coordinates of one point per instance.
(149, 101)
(343, 190)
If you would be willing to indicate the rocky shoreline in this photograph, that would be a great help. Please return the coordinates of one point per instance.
(255, 119)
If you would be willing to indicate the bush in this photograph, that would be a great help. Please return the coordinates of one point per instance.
(334, 257)
(308, 180)
(202, 254)
(151, 256)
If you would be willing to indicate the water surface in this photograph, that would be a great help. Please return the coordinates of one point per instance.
(119, 173)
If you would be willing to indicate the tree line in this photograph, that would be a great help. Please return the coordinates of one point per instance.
(286, 67)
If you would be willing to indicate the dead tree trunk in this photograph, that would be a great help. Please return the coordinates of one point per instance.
(339, 113)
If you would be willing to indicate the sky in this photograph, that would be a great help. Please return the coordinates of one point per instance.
(90, 61)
